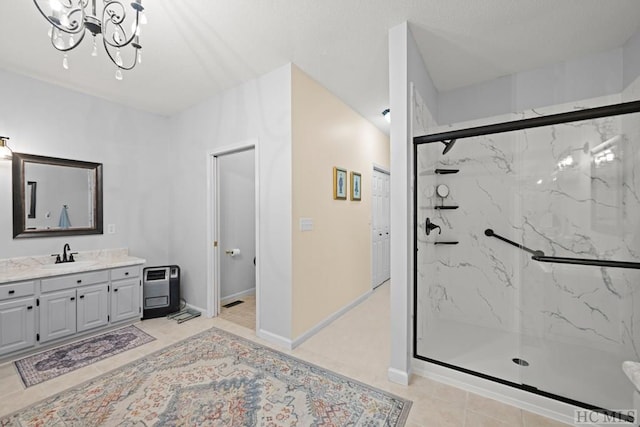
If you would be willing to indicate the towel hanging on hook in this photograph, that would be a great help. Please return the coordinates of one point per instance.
(64, 217)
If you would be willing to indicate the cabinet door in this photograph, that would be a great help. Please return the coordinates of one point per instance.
(17, 325)
(125, 299)
(93, 303)
(57, 315)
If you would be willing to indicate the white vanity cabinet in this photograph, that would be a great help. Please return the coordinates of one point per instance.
(92, 307)
(17, 316)
(57, 315)
(126, 293)
(61, 313)
(54, 308)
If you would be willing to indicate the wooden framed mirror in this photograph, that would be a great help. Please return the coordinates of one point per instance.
(55, 197)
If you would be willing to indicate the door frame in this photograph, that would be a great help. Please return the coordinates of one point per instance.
(384, 170)
(213, 224)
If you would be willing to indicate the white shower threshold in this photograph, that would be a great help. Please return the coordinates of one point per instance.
(576, 372)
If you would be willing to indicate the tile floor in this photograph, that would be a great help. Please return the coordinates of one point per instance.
(355, 345)
(242, 314)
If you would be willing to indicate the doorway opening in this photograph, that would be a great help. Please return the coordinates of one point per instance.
(234, 226)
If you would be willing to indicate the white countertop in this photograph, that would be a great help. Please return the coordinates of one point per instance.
(28, 268)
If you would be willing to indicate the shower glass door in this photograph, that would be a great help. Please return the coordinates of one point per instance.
(511, 231)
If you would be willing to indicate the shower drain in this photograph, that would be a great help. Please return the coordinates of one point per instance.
(520, 362)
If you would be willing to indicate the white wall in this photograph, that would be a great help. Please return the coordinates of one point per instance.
(47, 120)
(259, 109)
(572, 80)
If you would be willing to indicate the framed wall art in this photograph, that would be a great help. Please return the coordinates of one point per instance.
(356, 186)
(339, 183)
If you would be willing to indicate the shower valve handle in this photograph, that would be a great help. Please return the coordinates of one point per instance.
(429, 226)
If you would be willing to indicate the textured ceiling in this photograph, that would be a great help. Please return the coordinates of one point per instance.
(193, 49)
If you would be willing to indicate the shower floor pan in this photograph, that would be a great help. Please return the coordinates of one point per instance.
(575, 372)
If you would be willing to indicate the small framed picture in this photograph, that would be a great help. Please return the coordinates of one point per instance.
(339, 184)
(356, 186)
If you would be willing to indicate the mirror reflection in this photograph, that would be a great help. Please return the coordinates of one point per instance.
(56, 196)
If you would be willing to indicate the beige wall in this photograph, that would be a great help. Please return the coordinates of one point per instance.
(332, 263)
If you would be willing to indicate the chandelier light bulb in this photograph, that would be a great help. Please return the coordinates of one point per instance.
(139, 57)
(59, 43)
(94, 52)
(118, 58)
(118, 74)
(50, 32)
(65, 62)
(64, 21)
(71, 41)
(143, 19)
(55, 5)
(116, 37)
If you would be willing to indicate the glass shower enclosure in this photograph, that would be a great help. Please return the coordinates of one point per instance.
(527, 252)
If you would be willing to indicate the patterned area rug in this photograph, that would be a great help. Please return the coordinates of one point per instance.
(52, 363)
(218, 379)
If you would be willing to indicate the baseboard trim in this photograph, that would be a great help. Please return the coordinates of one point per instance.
(324, 323)
(278, 340)
(237, 295)
(540, 405)
(397, 376)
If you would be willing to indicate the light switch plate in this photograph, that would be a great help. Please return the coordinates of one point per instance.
(306, 224)
(111, 228)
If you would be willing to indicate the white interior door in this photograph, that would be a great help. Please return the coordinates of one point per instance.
(381, 256)
(236, 224)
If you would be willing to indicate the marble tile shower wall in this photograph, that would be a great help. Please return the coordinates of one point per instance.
(556, 189)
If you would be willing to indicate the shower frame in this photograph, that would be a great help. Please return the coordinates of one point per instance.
(447, 138)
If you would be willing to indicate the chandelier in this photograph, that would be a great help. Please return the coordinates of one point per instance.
(119, 26)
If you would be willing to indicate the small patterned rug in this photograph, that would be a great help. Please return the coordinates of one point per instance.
(217, 379)
(52, 363)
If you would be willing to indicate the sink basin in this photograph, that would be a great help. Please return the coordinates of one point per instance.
(67, 265)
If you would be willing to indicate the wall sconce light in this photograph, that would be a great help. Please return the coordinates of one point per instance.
(387, 115)
(5, 151)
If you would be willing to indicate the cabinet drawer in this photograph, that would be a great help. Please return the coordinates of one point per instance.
(74, 280)
(125, 272)
(18, 289)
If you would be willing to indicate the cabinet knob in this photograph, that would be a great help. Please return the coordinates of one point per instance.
(79, 281)
(115, 290)
(126, 273)
(73, 298)
(81, 297)
(30, 307)
(11, 292)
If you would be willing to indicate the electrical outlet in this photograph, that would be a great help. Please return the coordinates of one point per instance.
(111, 229)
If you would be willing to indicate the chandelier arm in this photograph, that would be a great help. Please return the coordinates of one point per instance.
(122, 67)
(66, 49)
(118, 23)
(77, 29)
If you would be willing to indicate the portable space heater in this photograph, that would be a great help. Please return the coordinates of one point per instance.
(161, 291)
